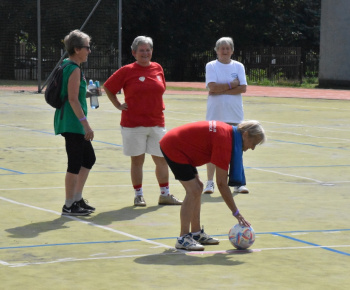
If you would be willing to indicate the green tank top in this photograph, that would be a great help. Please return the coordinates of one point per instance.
(70, 122)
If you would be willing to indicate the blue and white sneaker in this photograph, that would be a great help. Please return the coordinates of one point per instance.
(205, 239)
(186, 242)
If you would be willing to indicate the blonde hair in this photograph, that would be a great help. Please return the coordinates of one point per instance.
(254, 129)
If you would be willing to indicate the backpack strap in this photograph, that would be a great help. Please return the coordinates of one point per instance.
(66, 96)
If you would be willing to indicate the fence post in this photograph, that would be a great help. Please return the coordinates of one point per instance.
(301, 69)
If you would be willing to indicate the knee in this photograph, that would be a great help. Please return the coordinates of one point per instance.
(201, 186)
(137, 161)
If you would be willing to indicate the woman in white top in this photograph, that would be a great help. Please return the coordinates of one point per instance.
(226, 80)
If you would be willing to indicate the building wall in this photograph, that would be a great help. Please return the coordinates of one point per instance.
(334, 69)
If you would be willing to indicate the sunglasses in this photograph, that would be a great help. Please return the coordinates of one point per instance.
(87, 47)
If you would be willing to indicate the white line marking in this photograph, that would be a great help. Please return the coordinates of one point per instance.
(178, 252)
(306, 135)
(173, 184)
(90, 223)
(290, 175)
(4, 263)
(306, 126)
(87, 186)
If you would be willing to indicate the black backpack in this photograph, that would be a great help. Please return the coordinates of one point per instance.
(53, 90)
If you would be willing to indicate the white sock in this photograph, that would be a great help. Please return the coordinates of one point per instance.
(139, 192)
(164, 191)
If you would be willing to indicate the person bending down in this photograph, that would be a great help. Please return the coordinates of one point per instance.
(195, 144)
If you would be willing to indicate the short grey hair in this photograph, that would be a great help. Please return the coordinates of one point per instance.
(224, 40)
(75, 39)
(141, 40)
(254, 129)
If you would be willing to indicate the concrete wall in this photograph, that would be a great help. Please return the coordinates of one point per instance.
(334, 70)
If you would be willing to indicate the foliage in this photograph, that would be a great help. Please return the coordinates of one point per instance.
(178, 27)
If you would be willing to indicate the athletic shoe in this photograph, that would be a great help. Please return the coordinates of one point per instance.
(139, 201)
(75, 210)
(169, 200)
(186, 242)
(209, 189)
(83, 203)
(205, 239)
(240, 189)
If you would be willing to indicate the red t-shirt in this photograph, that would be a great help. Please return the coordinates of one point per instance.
(199, 143)
(143, 90)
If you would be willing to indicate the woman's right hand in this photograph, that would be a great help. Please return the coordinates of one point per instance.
(242, 221)
(235, 83)
(122, 107)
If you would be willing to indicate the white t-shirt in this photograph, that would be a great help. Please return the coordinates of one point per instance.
(225, 108)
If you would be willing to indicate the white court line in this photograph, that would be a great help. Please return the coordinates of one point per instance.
(311, 136)
(86, 186)
(171, 184)
(177, 252)
(290, 175)
(305, 126)
(89, 223)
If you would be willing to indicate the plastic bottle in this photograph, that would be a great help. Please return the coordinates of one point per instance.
(98, 87)
(94, 95)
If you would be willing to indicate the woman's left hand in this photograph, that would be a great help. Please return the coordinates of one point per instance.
(89, 135)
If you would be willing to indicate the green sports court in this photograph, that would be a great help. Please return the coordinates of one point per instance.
(298, 204)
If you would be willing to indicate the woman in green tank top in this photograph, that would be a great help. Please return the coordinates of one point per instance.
(71, 122)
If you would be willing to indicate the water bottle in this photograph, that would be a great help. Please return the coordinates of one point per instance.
(99, 91)
(94, 95)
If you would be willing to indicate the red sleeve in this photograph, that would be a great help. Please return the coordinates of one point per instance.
(117, 80)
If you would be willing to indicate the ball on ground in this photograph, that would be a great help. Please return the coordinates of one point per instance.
(241, 237)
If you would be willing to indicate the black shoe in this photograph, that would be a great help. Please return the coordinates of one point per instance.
(75, 210)
(83, 203)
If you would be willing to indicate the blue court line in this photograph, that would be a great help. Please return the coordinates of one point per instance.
(10, 170)
(173, 238)
(312, 244)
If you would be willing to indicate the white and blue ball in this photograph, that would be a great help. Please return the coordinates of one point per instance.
(241, 237)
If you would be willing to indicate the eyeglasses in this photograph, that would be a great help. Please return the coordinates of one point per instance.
(87, 47)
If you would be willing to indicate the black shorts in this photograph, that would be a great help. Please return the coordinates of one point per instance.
(80, 152)
(183, 172)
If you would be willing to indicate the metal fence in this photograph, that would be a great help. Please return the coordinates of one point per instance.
(273, 64)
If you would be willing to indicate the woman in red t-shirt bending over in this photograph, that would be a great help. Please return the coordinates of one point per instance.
(199, 143)
(142, 122)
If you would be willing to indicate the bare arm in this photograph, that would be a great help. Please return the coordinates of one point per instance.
(114, 99)
(73, 99)
(220, 89)
(221, 181)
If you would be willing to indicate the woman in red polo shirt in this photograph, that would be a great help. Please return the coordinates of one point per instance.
(199, 143)
(142, 121)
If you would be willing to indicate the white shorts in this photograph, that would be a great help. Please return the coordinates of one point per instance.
(140, 140)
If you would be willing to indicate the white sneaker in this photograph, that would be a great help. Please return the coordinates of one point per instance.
(205, 239)
(209, 189)
(240, 189)
(186, 242)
